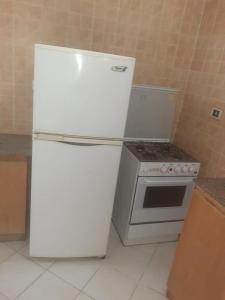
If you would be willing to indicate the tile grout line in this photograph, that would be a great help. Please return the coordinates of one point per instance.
(92, 27)
(189, 70)
(214, 23)
(39, 276)
(85, 295)
(138, 32)
(100, 267)
(183, 91)
(30, 260)
(1, 294)
(123, 274)
(8, 257)
(149, 262)
(13, 68)
(64, 280)
(195, 45)
(17, 252)
(179, 34)
(116, 268)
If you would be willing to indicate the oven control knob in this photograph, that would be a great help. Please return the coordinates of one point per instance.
(190, 169)
(184, 169)
(163, 170)
(177, 170)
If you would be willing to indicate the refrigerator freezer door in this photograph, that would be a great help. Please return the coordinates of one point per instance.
(72, 198)
(80, 92)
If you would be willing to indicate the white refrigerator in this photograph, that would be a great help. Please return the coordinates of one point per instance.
(80, 106)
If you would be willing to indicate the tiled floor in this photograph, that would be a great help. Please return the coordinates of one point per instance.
(127, 273)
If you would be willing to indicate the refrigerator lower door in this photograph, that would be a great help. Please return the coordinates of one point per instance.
(72, 194)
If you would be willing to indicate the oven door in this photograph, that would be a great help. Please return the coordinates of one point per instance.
(161, 199)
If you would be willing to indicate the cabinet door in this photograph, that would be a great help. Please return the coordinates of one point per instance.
(13, 183)
(198, 272)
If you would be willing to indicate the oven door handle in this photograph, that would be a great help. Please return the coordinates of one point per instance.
(152, 183)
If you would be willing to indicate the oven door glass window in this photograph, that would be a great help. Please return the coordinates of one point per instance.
(160, 199)
(164, 196)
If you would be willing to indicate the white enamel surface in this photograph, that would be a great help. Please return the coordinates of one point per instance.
(71, 199)
(153, 233)
(76, 92)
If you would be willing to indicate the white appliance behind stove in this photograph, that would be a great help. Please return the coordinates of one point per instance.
(151, 113)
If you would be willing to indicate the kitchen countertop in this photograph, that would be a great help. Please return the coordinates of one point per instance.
(15, 145)
(214, 187)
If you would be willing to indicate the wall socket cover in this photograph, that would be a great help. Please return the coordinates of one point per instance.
(216, 113)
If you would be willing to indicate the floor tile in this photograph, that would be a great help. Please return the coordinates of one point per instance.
(112, 231)
(109, 284)
(2, 297)
(113, 242)
(76, 271)
(81, 297)
(156, 274)
(5, 252)
(148, 248)
(16, 274)
(17, 245)
(43, 262)
(143, 293)
(49, 287)
(129, 261)
(114, 278)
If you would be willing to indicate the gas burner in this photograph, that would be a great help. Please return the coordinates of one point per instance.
(158, 152)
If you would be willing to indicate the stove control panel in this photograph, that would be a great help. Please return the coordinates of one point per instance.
(169, 169)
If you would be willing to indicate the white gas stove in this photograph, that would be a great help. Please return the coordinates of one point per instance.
(154, 187)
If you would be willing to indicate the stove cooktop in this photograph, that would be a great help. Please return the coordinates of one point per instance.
(158, 152)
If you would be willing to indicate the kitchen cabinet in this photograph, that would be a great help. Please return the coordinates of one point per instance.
(13, 196)
(15, 157)
(198, 271)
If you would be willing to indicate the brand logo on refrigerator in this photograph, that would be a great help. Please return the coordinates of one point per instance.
(119, 68)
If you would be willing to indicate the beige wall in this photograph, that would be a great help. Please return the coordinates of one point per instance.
(197, 132)
(161, 34)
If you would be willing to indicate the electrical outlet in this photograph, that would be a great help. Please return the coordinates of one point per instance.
(216, 113)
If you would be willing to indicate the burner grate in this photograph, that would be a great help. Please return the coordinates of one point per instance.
(159, 152)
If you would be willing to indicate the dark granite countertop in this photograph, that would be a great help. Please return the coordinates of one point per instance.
(214, 187)
(15, 144)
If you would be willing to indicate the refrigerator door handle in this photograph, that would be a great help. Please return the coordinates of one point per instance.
(79, 144)
(76, 140)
